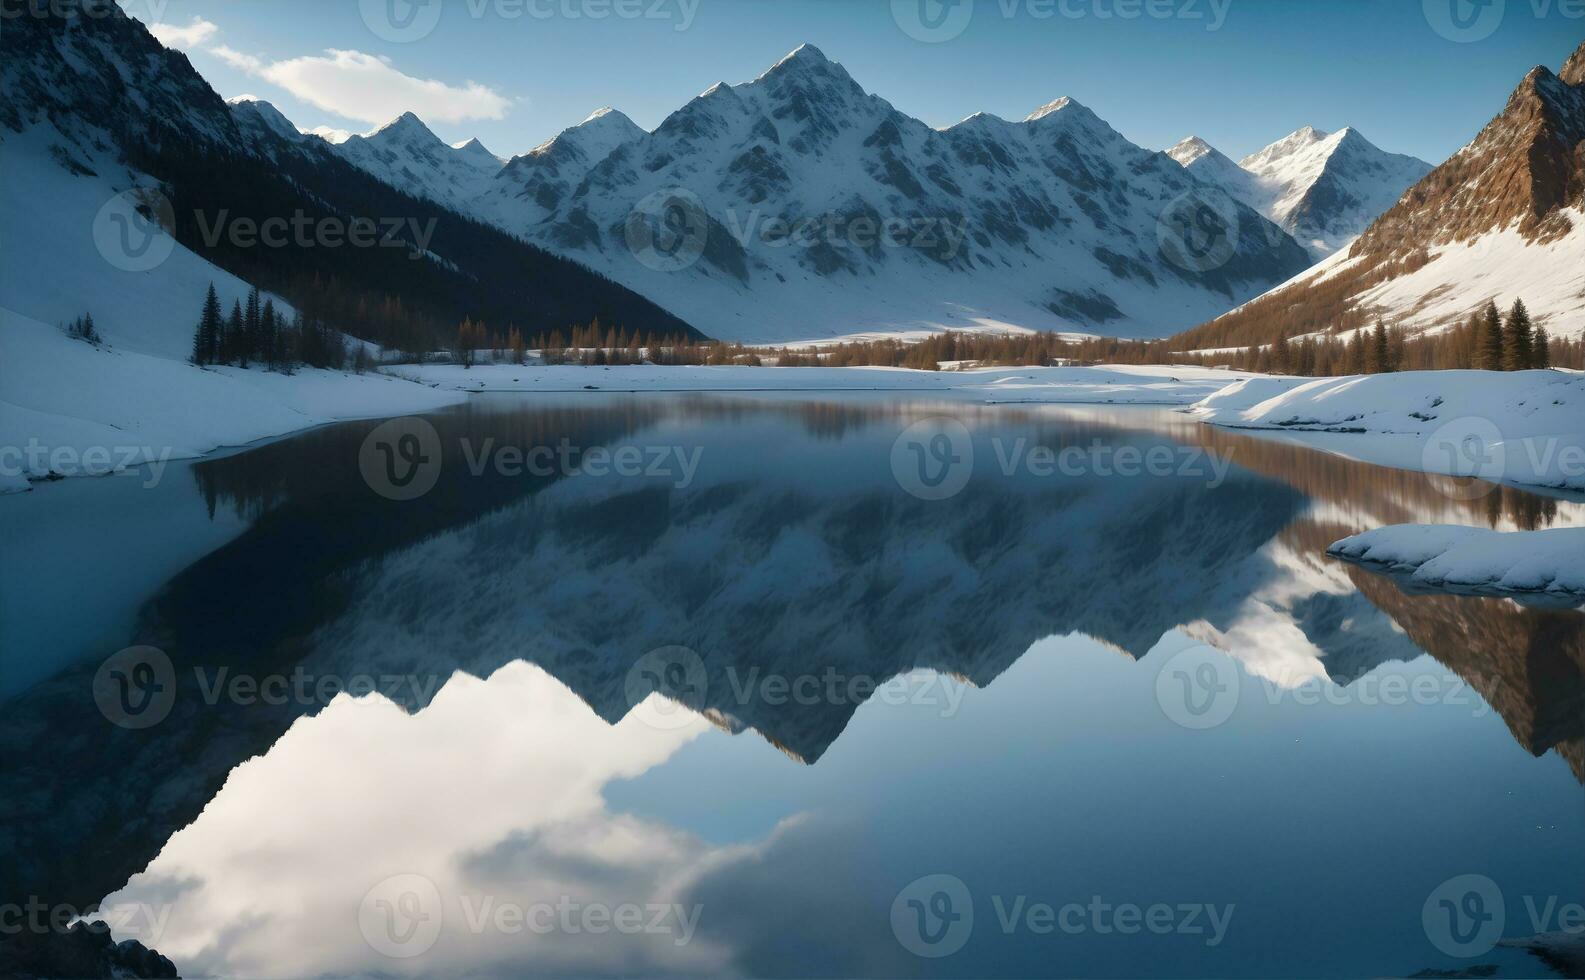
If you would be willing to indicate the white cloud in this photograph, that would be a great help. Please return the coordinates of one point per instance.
(191, 36)
(363, 87)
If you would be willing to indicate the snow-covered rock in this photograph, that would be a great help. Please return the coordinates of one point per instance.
(1521, 426)
(407, 155)
(1475, 559)
(805, 207)
(1322, 188)
(1499, 220)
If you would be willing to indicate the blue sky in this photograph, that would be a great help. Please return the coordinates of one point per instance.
(1240, 73)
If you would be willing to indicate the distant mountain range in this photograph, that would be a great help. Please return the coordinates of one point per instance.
(1502, 219)
(1321, 188)
(800, 206)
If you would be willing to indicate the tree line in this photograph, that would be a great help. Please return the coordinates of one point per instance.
(256, 333)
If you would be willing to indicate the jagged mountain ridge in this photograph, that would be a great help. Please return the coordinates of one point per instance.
(99, 98)
(1322, 188)
(1502, 219)
(1052, 222)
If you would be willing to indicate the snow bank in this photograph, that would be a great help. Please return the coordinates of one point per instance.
(1523, 426)
(1122, 385)
(1474, 559)
(71, 408)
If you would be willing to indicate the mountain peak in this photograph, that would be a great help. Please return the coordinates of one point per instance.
(806, 54)
(407, 124)
(265, 114)
(1051, 108)
(1573, 72)
(1190, 149)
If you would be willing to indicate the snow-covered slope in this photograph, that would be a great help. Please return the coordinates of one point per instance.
(407, 155)
(782, 184)
(1501, 220)
(531, 187)
(1520, 426)
(798, 206)
(1322, 188)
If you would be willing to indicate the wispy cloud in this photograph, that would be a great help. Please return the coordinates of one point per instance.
(369, 89)
(199, 32)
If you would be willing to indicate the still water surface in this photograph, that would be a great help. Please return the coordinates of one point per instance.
(1101, 718)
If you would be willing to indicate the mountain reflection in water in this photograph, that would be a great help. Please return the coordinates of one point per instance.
(792, 553)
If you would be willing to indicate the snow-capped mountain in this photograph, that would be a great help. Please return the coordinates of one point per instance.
(547, 175)
(1502, 219)
(97, 117)
(798, 205)
(407, 155)
(1322, 188)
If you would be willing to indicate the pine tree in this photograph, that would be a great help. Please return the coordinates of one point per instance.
(269, 351)
(248, 343)
(1491, 340)
(1542, 358)
(206, 338)
(1380, 355)
(1518, 338)
(231, 342)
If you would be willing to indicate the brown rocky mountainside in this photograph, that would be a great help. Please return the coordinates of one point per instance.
(1524, 169)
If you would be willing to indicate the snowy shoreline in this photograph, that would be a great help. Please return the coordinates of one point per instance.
(1474, 560)
(1521, 427)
